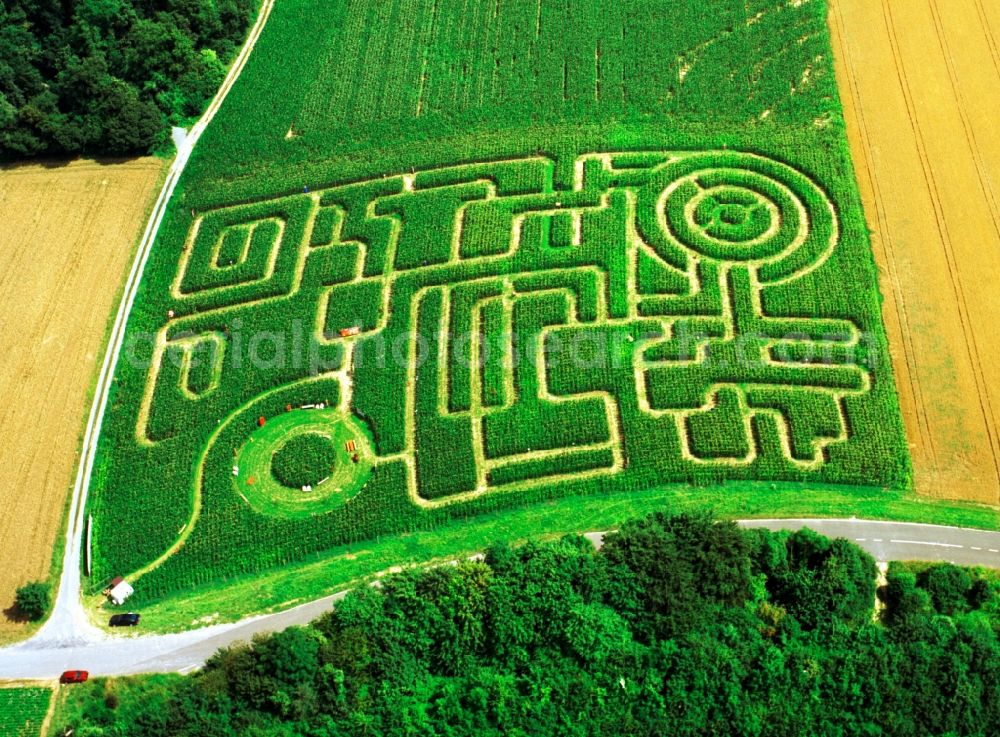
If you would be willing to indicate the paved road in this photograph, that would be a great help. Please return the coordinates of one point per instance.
(905, 541)
(132, 653)
(44, 657)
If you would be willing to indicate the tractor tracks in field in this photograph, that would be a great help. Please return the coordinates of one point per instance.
(931, 187)
(988, 192)
(944, 231)
(886, 241)
(928, 155)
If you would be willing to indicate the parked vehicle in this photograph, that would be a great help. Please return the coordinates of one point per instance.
(124, 620)
(74, 676)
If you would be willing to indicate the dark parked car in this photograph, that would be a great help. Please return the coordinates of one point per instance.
(74, 676)
(124, 620)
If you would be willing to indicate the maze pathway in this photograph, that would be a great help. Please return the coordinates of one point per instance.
(493, 330)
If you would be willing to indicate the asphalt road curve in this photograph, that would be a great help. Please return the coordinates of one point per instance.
(45, 656)
(887, 541)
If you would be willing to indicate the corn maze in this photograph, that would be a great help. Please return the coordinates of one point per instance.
(659, 256)
(493, 333)
(482, 299)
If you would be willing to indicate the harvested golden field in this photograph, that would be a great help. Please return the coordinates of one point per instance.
(920, 80)
(67, 238)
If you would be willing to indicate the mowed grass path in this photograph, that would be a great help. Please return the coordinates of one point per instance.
(256, 482)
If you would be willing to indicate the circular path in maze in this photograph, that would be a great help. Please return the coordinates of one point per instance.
(256, 483)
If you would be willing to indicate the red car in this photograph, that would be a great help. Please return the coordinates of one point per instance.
(74, 676)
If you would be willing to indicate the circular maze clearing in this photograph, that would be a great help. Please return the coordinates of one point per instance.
(303, 462)
(735, 215)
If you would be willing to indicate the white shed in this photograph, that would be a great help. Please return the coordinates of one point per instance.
(120, 592)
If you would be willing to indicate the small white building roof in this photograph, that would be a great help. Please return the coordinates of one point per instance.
(120, 592)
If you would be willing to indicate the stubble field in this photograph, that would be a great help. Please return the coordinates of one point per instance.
(920, 82)
(68, 233)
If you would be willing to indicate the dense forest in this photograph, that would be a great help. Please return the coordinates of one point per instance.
(679, 626)
(109, 76)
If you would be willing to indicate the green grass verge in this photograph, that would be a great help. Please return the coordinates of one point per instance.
(349, 566)
(92, 698)
(331, 487)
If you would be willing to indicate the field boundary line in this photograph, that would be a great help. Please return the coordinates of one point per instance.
(43, 729)
(885, 237)
(67, 613)
(988, 33)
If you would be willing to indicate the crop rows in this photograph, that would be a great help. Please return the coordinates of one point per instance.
(511, 316)
(574, 372)
(22, 711)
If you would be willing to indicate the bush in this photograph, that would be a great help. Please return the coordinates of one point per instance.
(948, 586)
(33, 600)
(109, 77)
(676, 569)
(819, 580)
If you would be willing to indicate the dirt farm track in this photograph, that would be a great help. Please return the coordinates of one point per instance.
(920, 82)
(66, 238)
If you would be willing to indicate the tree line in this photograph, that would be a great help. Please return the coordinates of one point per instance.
(680, 625)
(109, 76)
